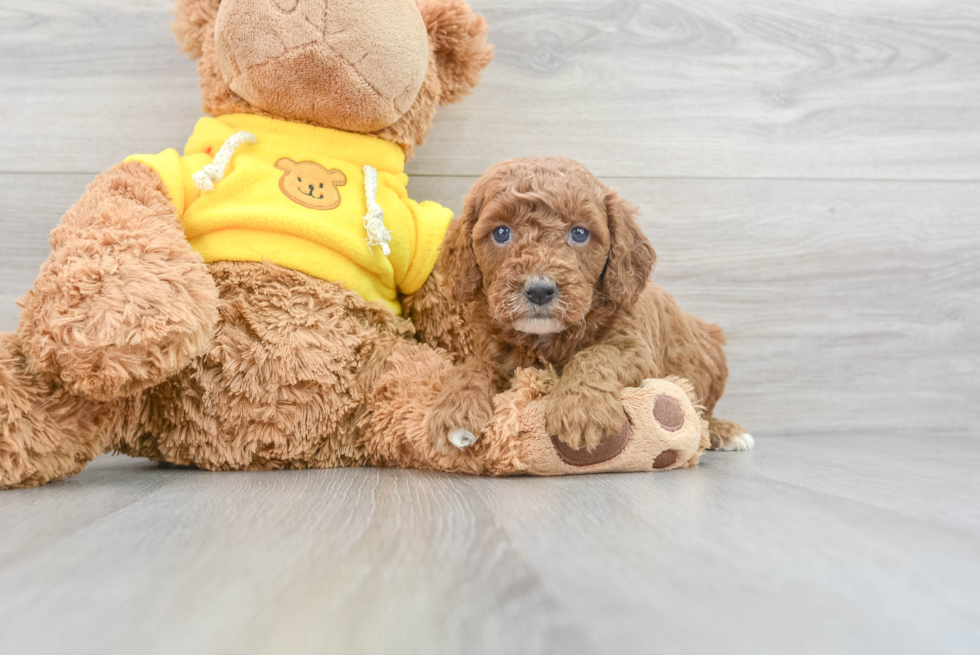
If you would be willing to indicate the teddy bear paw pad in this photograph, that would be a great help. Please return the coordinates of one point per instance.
(668, 413)
(607, 449)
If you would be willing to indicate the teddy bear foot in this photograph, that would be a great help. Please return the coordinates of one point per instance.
(45, 432)
(664, 430)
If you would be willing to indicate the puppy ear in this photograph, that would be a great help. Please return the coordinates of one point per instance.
(337, 177)
(193, 19)
(457, 36)
(285, 164)
(457, 261)
(631, 257)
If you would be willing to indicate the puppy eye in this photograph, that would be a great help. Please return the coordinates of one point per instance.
(300, 179)
(501, 235)
(578, 236)
(321, 186)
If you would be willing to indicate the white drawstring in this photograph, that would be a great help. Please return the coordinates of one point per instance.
(205, 178)
(374, 219)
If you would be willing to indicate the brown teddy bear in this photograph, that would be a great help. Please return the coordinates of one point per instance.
(246, 305)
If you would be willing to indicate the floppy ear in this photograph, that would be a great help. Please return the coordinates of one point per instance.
(337, 177)
(193, 19)
(458, 38)
(631, 257)
(457, 261)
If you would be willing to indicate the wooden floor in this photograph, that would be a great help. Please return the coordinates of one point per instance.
(806, 545)
(809, 174)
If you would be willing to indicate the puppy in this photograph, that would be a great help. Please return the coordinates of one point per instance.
(554, 271)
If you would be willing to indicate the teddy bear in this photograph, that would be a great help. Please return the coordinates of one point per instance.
(268, 299)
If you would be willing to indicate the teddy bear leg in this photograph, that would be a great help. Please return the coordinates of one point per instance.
(664, 430)
(394, 425)
(122, 301)
(47, 433)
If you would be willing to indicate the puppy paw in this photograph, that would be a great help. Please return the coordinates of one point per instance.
(743, 441)
(456, 422)
(582, 418)
(726, 435)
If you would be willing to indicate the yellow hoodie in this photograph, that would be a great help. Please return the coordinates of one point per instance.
(329, 203)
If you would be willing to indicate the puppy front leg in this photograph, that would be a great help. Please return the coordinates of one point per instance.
(585, 406)
(464, 406)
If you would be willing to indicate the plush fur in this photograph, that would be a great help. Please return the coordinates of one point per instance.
(129, 342)
(122, 302)
(606, 328)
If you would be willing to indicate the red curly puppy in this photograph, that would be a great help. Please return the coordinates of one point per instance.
(555, 271)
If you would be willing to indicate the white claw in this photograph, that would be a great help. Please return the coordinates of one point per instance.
(741, 442)
(461, 438)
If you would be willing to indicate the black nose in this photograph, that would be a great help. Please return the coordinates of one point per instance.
(311, 188)
(539, 291)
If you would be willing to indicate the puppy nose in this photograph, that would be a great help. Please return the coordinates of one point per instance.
(540, 290)
(311, 188)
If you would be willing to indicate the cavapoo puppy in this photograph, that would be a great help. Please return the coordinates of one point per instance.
(555, 271)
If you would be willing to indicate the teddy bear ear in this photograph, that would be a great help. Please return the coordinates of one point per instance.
(193, 19)
(285, 164)
(457, 36)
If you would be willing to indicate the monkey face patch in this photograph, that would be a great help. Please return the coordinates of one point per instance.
(308, 184)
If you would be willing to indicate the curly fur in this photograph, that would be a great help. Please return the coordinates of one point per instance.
(613, 327)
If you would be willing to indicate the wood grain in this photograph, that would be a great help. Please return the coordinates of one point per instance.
(870, 89)
(805, 546)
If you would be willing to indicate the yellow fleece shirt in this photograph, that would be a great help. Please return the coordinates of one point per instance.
(300, 196)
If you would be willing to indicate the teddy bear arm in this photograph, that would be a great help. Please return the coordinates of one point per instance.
(122, 301)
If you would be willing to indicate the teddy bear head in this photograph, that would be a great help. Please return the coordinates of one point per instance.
(370, 66)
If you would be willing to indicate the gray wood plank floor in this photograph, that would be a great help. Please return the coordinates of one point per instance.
(824, 545)
(810, 176)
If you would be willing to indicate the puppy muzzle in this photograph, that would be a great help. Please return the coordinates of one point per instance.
(541, 294)
(540, 290)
